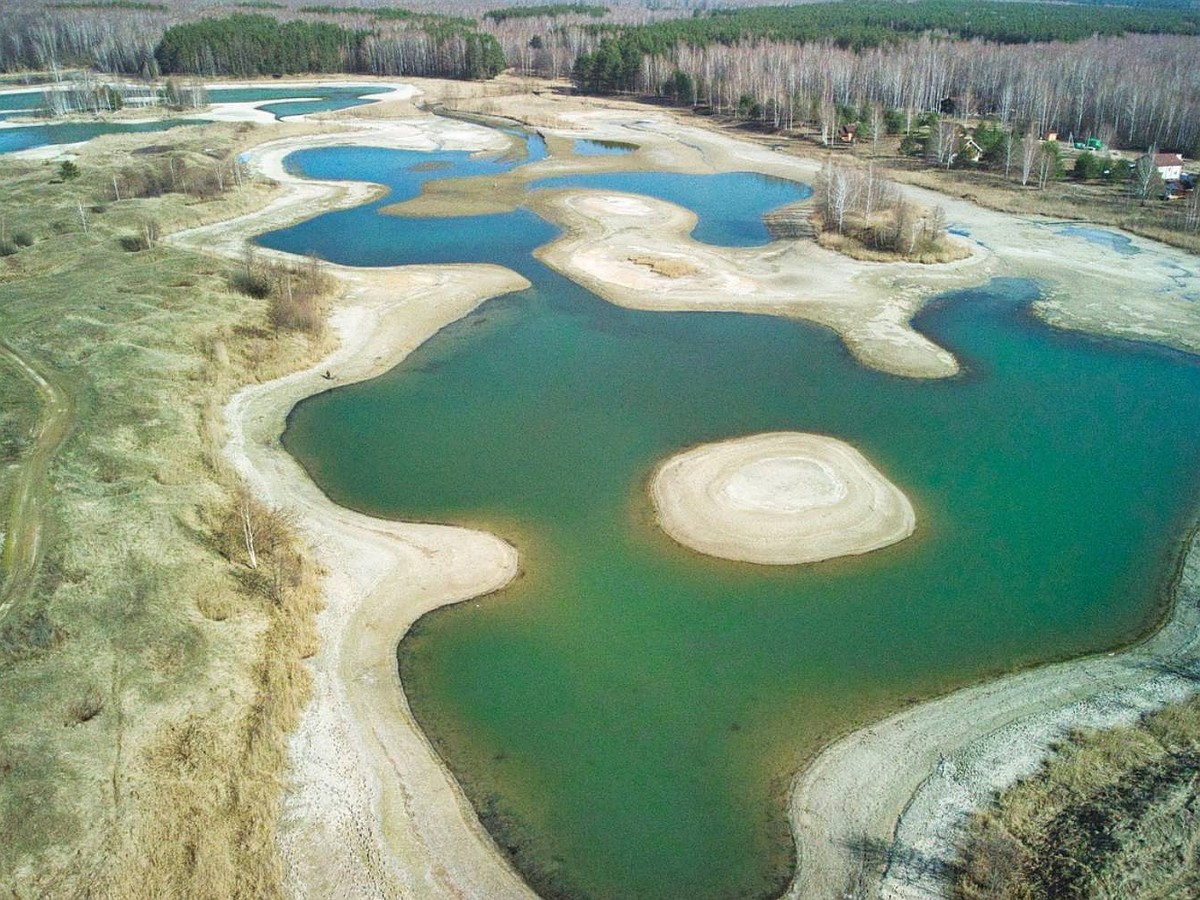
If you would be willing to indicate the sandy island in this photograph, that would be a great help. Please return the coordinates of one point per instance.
(779, 499)
(372, 812)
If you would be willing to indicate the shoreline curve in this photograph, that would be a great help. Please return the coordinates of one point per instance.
(919, 797)
(370, 809)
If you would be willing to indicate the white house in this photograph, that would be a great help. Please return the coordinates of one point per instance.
(1169, 165)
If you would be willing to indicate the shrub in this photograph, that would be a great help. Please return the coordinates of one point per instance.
(1088, 165)
(68, 170)
(29, 636)
(85, 708)
(143, 240)
(295, 292)
(911, 145)
(252, 282)
(22, 238)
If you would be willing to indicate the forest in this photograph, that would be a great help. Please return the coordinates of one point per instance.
(1126, 74)
(880, 22)
(141, 39)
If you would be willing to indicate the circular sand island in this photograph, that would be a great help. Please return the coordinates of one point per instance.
(780, 498)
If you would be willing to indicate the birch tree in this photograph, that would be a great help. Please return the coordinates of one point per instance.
(1030, 145)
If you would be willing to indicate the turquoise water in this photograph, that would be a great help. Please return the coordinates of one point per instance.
(627, 715)
(729, 205)
(20, 104)
(29, 136)
(328, 98)
(392, 240)
(1118, 243)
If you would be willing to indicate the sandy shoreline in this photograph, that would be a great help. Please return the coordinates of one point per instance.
(780, 498)
(371, 811)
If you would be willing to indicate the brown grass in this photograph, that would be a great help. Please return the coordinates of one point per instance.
(1112, 814)
(151, 677)
(209, 826)
(927, 252)
(930, 248)
(297, 294)
(670, 268)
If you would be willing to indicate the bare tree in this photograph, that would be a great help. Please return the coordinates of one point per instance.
(838, 194)
(869, 192)
(1047, 163)
(246, 511)
(877, 122)
(943, 141)
(1191, 213)
(1145, 175)
(1030, 146)
(935, 225)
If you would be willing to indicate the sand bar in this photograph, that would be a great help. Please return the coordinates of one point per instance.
(780, 498)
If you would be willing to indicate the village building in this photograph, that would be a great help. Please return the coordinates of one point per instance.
(1169, 166)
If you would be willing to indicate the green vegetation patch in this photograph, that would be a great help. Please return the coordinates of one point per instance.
(247, 45)
(615, 64)
(549, 11)
(391, 14)
(1112, 814)
(113, 4)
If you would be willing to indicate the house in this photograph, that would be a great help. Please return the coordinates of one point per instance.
(1169, 165)
(970, 149)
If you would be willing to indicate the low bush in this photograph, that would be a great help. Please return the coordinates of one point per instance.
(85, 708)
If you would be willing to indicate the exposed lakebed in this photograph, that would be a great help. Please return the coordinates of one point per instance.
(627, 714)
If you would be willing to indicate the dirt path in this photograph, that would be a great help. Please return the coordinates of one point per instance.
(22, 552)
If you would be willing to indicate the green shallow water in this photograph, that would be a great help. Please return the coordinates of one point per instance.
(626, 716)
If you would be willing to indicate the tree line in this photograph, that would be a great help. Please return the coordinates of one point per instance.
(809, 66)
(876, 23)
(143, 42)
(1132, 91)
(546, 11)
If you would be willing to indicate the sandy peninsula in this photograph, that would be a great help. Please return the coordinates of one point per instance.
(371, 810)
(781, 498)
(637, 252)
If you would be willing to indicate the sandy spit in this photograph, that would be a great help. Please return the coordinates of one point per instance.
(370, 810)
(607, 236)
(779, 498)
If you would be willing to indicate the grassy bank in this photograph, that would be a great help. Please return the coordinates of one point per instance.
(149, 673)
(1113, 814)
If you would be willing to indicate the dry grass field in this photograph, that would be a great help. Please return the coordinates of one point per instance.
(1113, 815)
(148, 672)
